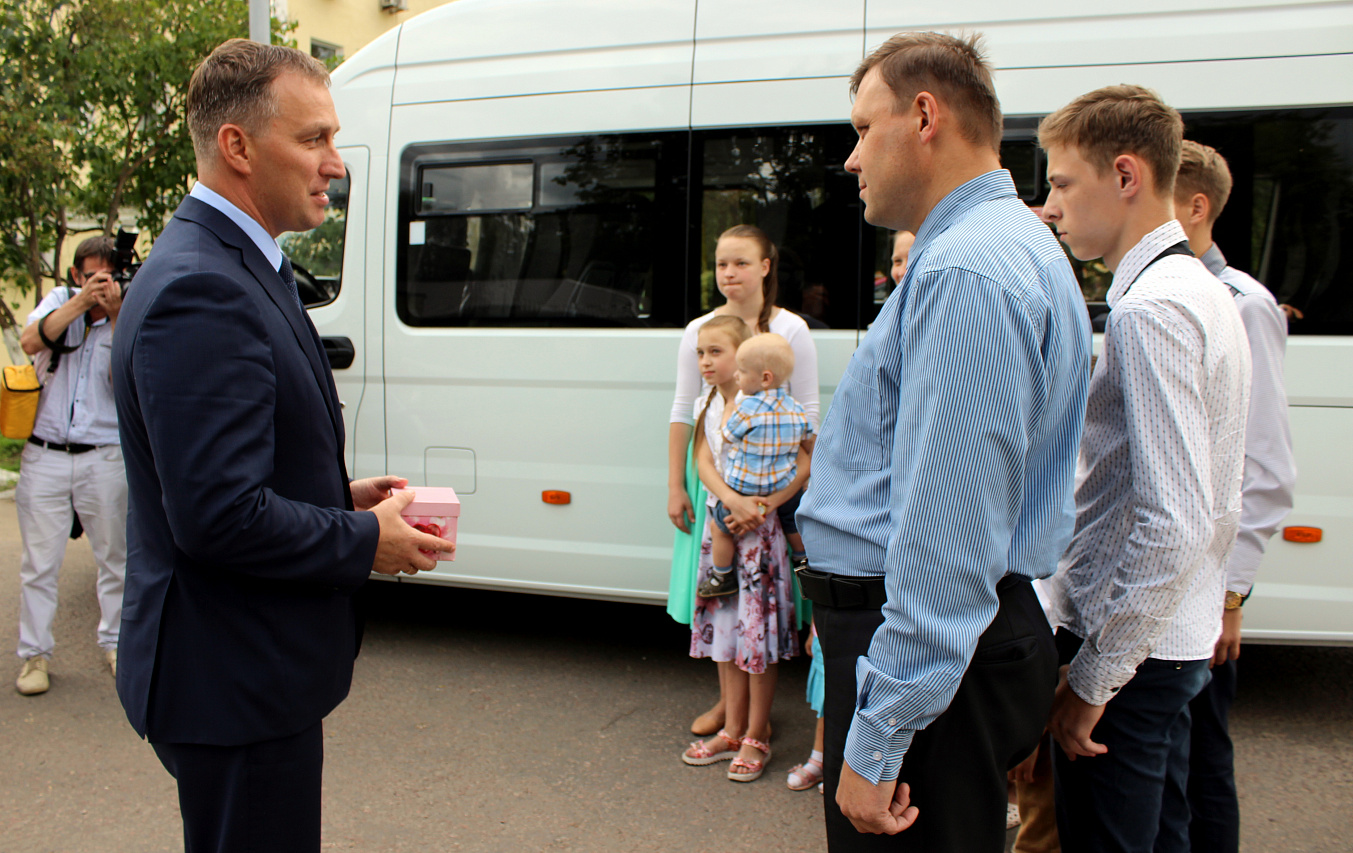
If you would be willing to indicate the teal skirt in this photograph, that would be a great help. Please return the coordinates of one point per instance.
(686, 550)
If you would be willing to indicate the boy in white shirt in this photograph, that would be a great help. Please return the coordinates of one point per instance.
(1158, 480)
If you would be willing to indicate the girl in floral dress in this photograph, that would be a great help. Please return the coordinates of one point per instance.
(746, 264)
(746, 634)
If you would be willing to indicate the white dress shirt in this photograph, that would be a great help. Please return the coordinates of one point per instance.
(1160, 469)
(1270, 469)
(76, 403)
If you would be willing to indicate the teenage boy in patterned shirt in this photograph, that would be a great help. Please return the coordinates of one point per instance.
(1157, 484)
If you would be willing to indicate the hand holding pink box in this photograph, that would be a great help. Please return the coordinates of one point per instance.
(435, 510)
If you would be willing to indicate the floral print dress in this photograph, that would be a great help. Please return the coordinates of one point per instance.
(756, 627)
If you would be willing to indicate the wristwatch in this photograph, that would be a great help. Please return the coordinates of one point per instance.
(1234, 600)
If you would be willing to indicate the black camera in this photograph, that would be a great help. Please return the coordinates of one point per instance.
(125, 260)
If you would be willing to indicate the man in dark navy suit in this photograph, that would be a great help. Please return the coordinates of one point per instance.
(246, 539)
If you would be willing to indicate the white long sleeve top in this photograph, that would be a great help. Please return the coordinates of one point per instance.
(1270, 467)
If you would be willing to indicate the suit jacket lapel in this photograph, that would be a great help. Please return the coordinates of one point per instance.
(268, 278)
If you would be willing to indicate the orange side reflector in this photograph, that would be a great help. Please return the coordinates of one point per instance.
(554, 496)
(1303, 534)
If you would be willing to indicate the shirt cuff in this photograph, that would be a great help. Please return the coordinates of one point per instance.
(1243, 566)
(876, 753)
(1095, 679)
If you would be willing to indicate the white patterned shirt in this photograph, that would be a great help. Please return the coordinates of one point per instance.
(1270, 469)
(1159, 475)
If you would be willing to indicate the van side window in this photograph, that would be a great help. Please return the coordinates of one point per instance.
(1289, 222)
(791, 182)
(583, 231)
(317, 255)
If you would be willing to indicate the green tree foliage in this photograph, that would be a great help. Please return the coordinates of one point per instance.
(92, 96)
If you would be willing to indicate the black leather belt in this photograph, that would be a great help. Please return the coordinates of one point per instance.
(64, 448)
(859, 593)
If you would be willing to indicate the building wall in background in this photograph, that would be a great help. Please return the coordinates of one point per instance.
(324, 27)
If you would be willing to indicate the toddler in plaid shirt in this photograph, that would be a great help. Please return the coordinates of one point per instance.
(764, 435)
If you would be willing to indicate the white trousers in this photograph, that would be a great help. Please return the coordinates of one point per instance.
(52, 486)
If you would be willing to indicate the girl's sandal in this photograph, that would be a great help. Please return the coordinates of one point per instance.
(743, 770)
(700, 753)
(804, 776)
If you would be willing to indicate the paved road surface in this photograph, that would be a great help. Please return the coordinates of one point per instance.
(492, 722)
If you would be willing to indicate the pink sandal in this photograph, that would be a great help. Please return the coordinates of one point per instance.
(742, 770)
(699, 754)
(804, 776)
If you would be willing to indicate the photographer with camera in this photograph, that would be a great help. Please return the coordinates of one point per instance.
(73, 462)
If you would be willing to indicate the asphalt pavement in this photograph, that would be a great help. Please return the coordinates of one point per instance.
(484, 721)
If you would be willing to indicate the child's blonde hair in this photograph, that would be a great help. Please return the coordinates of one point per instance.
(771, 352)
(737, 333)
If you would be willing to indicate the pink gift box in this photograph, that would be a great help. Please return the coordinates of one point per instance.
(435, 510)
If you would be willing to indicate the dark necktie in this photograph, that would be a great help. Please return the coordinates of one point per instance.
(289, 279)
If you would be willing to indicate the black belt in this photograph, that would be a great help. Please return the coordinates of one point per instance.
(64, 448)
(860, 593)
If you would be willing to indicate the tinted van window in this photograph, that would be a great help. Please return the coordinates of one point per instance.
(582, 231)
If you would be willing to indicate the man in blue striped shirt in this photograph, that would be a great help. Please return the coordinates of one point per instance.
(942, 478)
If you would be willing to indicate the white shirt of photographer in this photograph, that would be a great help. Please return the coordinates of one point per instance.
(76, 404)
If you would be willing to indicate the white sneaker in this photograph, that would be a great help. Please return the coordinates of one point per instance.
(33, 677)
(110, 655)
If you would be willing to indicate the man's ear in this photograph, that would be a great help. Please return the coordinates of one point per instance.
(232, 143)
(1131, 174)
(927, 111)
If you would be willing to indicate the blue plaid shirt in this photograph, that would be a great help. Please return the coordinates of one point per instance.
(765, 432)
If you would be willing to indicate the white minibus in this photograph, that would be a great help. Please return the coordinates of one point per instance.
(535, 188)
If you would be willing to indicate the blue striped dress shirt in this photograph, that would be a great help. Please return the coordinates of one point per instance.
(947, 457)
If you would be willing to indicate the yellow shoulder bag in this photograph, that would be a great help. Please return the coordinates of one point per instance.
(19, 401)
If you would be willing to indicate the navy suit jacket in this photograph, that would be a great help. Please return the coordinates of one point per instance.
(244, 554)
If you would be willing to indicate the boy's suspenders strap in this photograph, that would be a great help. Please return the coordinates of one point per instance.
(1180, 248)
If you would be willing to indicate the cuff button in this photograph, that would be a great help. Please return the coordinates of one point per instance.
(878, 756)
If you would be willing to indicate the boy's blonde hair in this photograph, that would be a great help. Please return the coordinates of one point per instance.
(1115, 120)
(768, 351)
(1203, 170)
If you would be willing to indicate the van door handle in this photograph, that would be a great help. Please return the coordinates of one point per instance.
(340, 351)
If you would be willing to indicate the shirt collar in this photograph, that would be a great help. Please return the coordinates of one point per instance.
(952, 208)
(1214, 260)
(266, 244)
(1140, 256)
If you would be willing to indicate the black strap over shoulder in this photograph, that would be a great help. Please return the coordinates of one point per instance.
(1180, 248)
(58, 349)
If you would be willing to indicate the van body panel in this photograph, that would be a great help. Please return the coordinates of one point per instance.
(773, 40)
(504, 412)
(1224, 85)
(821, 99)
(476, 49)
